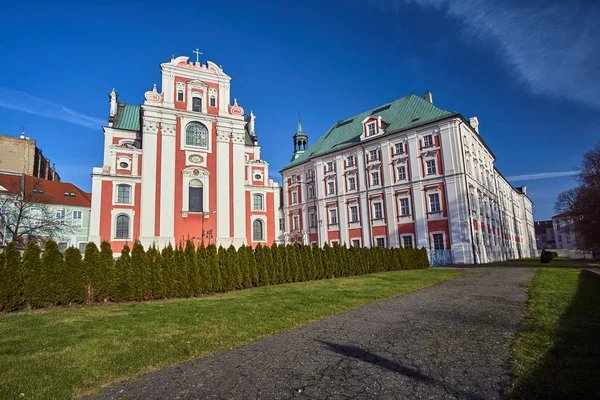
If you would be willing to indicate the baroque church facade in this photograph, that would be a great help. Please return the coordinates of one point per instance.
(183, 165)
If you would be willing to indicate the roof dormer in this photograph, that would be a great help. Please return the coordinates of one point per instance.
(373, 126)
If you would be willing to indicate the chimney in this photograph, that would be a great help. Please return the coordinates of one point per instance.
(474, 122)
(429, 97)
(114, 102)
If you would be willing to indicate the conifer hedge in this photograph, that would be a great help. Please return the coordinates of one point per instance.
(38, 280)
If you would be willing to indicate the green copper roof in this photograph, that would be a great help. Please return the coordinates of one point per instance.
(405, 113)
(248, 140)
(128, 117)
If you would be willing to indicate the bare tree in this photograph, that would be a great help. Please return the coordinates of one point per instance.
(26, 213)
(565, 200)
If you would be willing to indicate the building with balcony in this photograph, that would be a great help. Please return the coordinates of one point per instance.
(406, 173)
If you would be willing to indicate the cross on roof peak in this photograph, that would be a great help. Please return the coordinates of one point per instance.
(198, 54)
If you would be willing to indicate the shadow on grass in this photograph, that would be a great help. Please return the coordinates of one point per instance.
(571, 369)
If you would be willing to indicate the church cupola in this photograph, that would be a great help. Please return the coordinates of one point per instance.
(300, 141)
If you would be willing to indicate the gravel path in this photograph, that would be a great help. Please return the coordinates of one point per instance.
(444, 342)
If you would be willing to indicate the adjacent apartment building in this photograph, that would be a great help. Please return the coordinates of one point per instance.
(21, 155)
(406, 173)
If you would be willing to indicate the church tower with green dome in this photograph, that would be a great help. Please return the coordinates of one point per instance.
(300, 142)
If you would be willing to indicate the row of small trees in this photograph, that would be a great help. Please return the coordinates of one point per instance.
(38, 280)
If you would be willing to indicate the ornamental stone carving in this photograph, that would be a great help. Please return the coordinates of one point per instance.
(150, 126)
(223, 136)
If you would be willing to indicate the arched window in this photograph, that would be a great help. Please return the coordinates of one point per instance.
(257, 230)
(180, 95)
(197, 104)
(124, 194)
(196, 196)
(213, 101)
(122, 231)
(258, 202)
(196, 134)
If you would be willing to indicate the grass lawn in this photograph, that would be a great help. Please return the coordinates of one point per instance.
(535, 262)
(61, 353)
(557, 351)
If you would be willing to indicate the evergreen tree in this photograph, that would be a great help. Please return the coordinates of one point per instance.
(179, 272)
(234, 266)
(203, 262)
(124, 291)
(193, 272)
(276, 273)
(139, 272)
(106, 278)
(252, 266)
(293, 263)
(11, 279)
(52, 264)
(76, 283)
(225, 267)
(215, 271)
(156, 285)
(33, 282)
(166, 261)
(244, 253)
(261, 265)
(93, 273)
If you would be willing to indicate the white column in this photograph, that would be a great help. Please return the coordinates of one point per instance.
(390, 208)
(239, 191)
(419, 205)
(341, 191)
(365, 215)
(321, 212)
(167, 183)
(94, 235)
(223, 195)
(148, 205)
(168, 89)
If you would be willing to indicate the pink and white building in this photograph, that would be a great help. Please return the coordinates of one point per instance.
(183, 165)
(406, 173)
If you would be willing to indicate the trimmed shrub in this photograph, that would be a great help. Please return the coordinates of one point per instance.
(52, 265)
(33, 275)
(75, 291)
(11, 279)
(124, 291)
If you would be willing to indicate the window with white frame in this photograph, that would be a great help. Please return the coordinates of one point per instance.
(281, 224)
(404, 206)
(430, 165)
(371, 129)
(258, 201)
(407, 241)
(213, 101)
(380, 242)
(311, 192)
(330, 166)
(434, 203)
(294, 197)
(354, 213)
(293, 178)
(180, 95)
(350, 161)
(355, 242)
(196, 134)
(399, 148)
(195, 196)
(258, 231)
(124, 194)
(352, 183)
(378, 210)
(401, 171)
(197, 104)
(310, 174)
(60, 214)
(82, 247)
(428, 141)
(438, 241)
(122, 227)
(373, 155)
(295, 222)
(375, 178)
(333, 216)
(77, 217)
(312, 217)
(330, 188)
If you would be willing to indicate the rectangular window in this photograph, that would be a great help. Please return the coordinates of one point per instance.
(313, 220)
(330, 188)
(197, 104)
(180, 95)
(309, 174)
(77, 215)
(294, 197)
(352, 183)
(375, 178)
(311, 192)
(401, 173)
(378, 208)
(431, 170)
(213, 101)
(294, 178)
(404, 207)
(82, 247)
(295, 222)
(399, 148)
(258, 201)
(330, 166)
(438, 241)
(428, 141)
(380, 242)
(332, 216)
(353, 213)
(371, 129)
(407, 242)
(373, 155)
(350, 161)
(60, 214)
(124, 194)
(281, 226)
(434, 203)
(355, 242)
(196, 199)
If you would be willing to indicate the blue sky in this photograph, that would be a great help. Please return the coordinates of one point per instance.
(529, 70)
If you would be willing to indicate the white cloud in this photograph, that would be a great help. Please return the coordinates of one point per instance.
(553, 48)
(542, 175)
(21, 101)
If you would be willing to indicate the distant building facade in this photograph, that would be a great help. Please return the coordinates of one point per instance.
(406, 173)
(544, 235)
(21, 155)
(564, 231)
(56, 210)
(185, 164)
